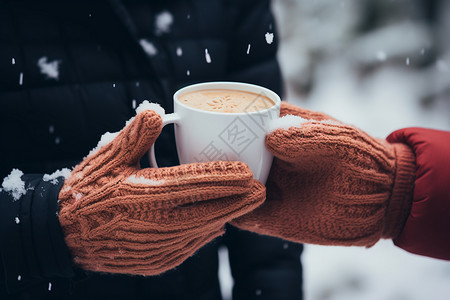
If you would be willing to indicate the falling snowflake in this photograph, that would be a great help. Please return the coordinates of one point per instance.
(207, 56)
(148, 47)
(20, 78)
(49, 68)
(269, 38)
(179, 51)
(381, 55)
(188, 72)
(17, 220)
(13, 61)
(407, 61)
(51, 129)
(163, 21)
(248, 48)
(133, 103)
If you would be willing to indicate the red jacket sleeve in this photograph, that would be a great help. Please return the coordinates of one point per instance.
(427, 229)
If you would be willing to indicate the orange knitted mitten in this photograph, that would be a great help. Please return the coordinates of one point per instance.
(333, 184)
(119, 218)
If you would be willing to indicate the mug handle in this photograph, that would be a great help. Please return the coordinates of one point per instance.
(167, 119)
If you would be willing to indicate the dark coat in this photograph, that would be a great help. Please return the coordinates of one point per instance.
(51, 120)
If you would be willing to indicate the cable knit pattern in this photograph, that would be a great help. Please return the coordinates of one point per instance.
(119, 218)
(333, 184)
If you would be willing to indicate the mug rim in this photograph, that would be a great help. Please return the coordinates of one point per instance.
(211, 85)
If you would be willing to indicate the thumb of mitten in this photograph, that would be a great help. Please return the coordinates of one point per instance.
(139, 134)
(125, 149)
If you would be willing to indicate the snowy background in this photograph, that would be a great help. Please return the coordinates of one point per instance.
(380, 65)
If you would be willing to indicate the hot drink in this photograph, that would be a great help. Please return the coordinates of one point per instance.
(226, 101)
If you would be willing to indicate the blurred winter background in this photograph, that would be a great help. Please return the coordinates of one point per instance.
(380, 65)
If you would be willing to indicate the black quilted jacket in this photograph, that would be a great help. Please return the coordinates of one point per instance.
(72, 70)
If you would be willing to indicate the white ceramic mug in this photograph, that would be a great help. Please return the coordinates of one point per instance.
(203, 136)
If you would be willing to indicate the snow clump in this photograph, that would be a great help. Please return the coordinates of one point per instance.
(65, 172)
(14, 184)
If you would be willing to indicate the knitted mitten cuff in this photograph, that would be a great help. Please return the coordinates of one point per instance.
(400, 201)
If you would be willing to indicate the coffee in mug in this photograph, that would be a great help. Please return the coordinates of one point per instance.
(224, 121)
(226, 101)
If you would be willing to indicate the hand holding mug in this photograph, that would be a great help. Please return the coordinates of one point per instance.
(119, 218)
(333, 184)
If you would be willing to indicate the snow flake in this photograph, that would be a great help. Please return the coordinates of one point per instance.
(179, 51)
(133, 103)
(381, 55)
(248, 48)
(13, 61)
(148, 47)
(137, 83)
(51, 68)
(51, 129)
(258, 292)
(269, 38)
(327, 122)
(286, 122)
(105, 139)
(17, 220)
(57, 140)
(442, 66)
(14, 184)
(163, 21)
(114, 85)
(188, 72)
(188, 16)
(129, 121)
(422, 51)
(53, 178)
(207, 56)
(21, 78)
(143, 180)
(146, 105)
(49, 286)
(19, 278)
(407, 61)
(77, 196)
(285, 246)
